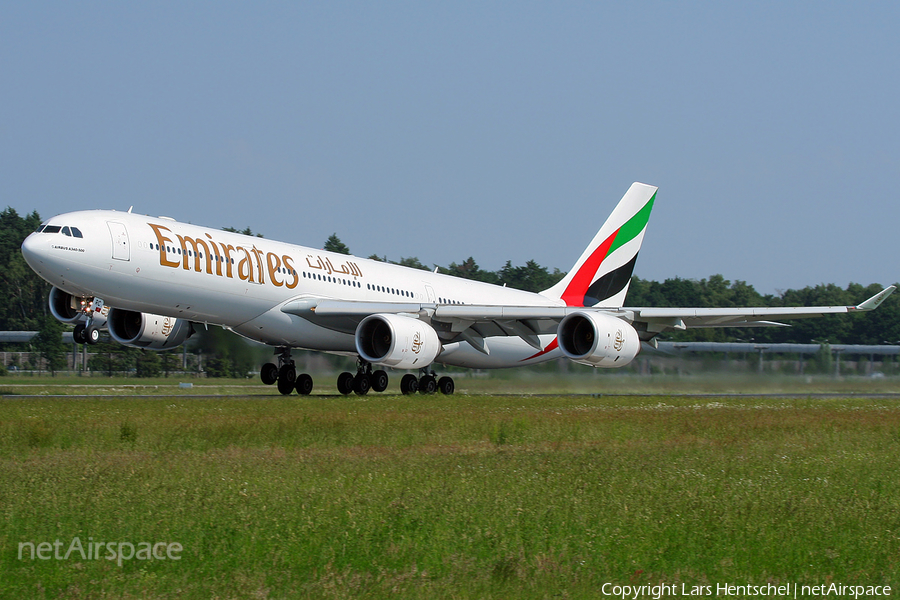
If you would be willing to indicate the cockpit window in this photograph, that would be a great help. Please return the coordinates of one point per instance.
(65, 230)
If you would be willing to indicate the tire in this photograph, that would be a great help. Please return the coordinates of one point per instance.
(285, 387)
(409, 384)
(427, 384)
(78, 334)
(268, 373)
(361, 384)
(345, 383)
(304, 384)
(379, 381)
(446, 386)
(92, 335)
(287, 375)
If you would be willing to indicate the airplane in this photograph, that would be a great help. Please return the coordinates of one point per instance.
(152, 280)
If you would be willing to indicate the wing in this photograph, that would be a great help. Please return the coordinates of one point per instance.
(466, 322)
(474, 323)
(661, 319)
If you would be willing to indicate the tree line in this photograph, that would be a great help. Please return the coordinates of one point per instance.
(879, 327)
(26, 306)
(530, 277)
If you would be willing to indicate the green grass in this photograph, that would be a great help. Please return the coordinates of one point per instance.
(471, 496)
(581, 380)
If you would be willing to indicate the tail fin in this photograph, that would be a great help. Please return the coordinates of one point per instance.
(602, 274)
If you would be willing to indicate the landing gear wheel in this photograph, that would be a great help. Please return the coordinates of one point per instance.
(92, 335)
(427, 384)
(409, 384)
(361, 384)
(78, 334)
(345, 383)
(304, 384)
(287, 375)
(268, 373)
(446, 385)
(379, 381)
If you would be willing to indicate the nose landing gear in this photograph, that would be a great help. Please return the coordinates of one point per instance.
(85, 334)
(89, 331)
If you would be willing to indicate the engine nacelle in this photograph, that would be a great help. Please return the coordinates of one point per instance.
(598, 340)
(65, 307)
(397, 341)
(143, 330)
(72, 309)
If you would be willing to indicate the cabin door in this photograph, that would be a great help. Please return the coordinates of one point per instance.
(120, 247)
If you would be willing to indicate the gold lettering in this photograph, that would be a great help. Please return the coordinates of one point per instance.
(259, 263)
(195, 246)
(226, 250)
(217, 259)
(251, 266)
(245, 273)
(290, 267)
(273, 267)
(161, 242)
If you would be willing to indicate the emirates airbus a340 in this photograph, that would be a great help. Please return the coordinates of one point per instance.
(150, 279)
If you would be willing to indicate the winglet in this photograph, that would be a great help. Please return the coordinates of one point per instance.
(876, 300)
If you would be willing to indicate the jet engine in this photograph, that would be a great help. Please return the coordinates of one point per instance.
(66, 307)
(72, 309)
(143, 330)
(597, 339)
(397, 341)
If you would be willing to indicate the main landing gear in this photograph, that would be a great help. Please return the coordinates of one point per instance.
(285, 375)
(426, 383)
(365, 379)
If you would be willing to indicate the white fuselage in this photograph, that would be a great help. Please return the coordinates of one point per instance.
(161, 266)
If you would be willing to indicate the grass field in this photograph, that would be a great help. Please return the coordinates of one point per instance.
(469, 496)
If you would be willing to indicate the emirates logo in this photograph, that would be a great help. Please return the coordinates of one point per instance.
(620, 340)
(167, 326)
(417, 343)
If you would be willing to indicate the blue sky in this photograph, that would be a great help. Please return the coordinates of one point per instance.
(502, 131)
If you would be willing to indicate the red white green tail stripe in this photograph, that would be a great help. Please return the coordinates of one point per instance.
(602, 274)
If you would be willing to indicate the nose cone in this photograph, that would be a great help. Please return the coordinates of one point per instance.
(38, 251)
(32, 250)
